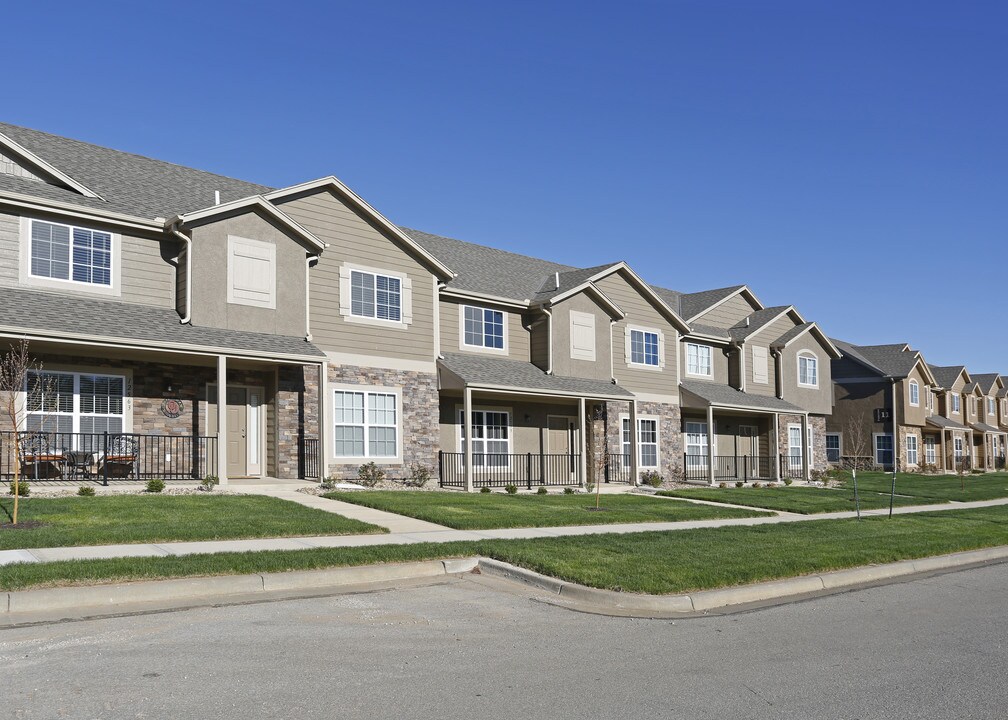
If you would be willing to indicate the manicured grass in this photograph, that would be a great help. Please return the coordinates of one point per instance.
(946, 487)
(484, 511)
(804, 500)
(654, 562)
(161, 518)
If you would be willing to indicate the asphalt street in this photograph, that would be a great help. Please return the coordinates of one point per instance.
(932, 648)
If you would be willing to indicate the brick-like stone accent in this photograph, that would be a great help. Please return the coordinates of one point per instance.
(905, 430)
(419, 417)
(818, 425)
(670, 440)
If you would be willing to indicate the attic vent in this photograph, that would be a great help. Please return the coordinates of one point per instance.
(747, 322)
(556, 281)
(216, 197)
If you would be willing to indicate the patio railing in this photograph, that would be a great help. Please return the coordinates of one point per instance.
(727, 467)
(617, 468)
(502, 469)
(309, 459)
(104, 456)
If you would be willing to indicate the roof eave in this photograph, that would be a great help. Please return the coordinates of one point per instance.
(50, 169)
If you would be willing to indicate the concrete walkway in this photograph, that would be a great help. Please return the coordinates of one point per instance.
(405, 531)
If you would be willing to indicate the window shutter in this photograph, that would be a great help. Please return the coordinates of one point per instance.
(760, 372)
(661, 349)
(344, 290)
(407, 301)
(582, 336)
(251, 272)
(626, 344)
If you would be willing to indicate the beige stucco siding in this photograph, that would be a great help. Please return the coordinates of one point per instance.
(913, 414)
(517, 336)
(640, 312)
(727, 313)
(563, 363)
(817, 400)
(209, 279)
(764, 338)
(352, 239)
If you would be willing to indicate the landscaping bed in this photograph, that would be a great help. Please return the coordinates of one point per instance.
(485, 511)
(113, 519)
(804, 499)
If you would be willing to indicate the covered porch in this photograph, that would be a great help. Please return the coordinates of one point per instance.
(954, 443)
(989, 447)
(732, 436)
(528, 429)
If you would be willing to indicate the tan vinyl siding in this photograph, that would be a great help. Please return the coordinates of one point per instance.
(182, 282)
(10, 229)
(563, 364)
(639, 311)
(352, 239)
(719, 363)
(764, 338)
(538, 341)
(727, 313)
(517, 336)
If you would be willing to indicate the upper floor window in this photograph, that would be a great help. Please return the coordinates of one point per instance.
(1004, 408)
(914, 393)
(973, 406)
(482, 327)
(644, 347)
(929, 399)
(955, 403)
(699, 360)
(67, 252)
(375, 296)
(991, 409)
(808, 371)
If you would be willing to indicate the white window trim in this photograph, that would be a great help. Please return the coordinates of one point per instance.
(460, 420)
(791, 446)
(911, 386)
(915, 449)
(463, 345)
(405, 297)
(991, 406)
(930, 450)
(808, 355)
(77, 371)
(234, 242)
(628, 348)
(875, 448)
(955, 403)
(589, 319)
(658, 438)
(710, 349)
(839, 437)
(365, 458)
(27, 279)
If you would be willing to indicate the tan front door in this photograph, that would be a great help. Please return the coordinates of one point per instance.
(558, 435)
(237, 432)
(749, 440)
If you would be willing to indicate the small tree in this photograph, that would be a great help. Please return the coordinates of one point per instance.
(856, 444)
(15, 365)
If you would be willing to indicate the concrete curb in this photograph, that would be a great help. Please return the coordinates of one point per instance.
(608, 602)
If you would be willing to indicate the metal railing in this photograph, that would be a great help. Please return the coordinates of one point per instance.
(618, 468)
(792, 467)
(502, 469)
(309, 459)
(105, 456)
(727, 467)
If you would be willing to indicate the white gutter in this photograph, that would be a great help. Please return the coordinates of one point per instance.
(778, 363)
(612, 354)
(742, 366)
(187, 318)
(307, 289)
(549, 331)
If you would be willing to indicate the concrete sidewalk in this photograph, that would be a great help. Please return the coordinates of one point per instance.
(415, 531)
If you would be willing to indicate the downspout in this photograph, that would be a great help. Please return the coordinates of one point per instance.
(549, 335)
(742, 366)
(307, 285)
(778, 378)
(438, 287)
(895, 427)
(188, 242)
(612, 350)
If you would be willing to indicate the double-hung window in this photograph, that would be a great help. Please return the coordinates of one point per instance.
(696, 445)
(644, 348)
(955, 403)
(373, 295)
(698, 359)
(930, 450)
(911, 449)
(491, 445)
(482, 327)
(991, 408)
(833, 447)
(365, 424)
(883, 450)
(808, 371)
(647, 442)
(68, 252)
(795, 446)
(68, 402)
(914, 393)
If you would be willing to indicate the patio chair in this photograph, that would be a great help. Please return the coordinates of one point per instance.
(120, 460)
(40, 458)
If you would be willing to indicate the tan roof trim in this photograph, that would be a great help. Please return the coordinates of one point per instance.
(726, 298)
(51, 170)
(331, 181)
(251, 203)
(644, 289)
(823, 340)
(510, 390)
(484, 297)
(588, 287)
(54, 207)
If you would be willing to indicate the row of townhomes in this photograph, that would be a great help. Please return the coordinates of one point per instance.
(190, 324)
(945, 418)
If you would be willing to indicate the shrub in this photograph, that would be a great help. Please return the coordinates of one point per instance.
(542, 490)
(771, 484)
(330, 482)
(209, 482)
(484, 489)
(370, 474)
(977, 471)
(419, 475)
(512, 489)
(85, 491)
(722, 484)
(22, 488)
(569, 491)
(788, 481)
(155, 485)
(739, 483)
(652, 478)
(757, 485)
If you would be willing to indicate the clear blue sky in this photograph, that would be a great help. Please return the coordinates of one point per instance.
(849, 158)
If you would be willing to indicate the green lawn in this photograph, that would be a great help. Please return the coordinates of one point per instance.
(484, 511)
(653, 562)
(945, 487)
(804, 500)
(114, 519)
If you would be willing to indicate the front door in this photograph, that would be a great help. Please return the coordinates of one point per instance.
(560, 443)
(237, 432)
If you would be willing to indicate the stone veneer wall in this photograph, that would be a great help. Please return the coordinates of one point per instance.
(419, 417)
(905, 430)
(670, 437)
(818, 425)
(297, 408)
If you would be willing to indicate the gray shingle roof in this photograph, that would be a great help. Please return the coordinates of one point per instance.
(692, 304)
(756, 321)
(985, 428)
(502, 372)
(887, 360)
(724, 395)
(568, 281)
(946, 375)
(945, 423)
(986, 381)
(28, 310)
(672, 298)
(791, 334)
(710, 331)
(129, 183)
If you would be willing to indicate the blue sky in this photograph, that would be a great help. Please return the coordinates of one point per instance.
(848, 158)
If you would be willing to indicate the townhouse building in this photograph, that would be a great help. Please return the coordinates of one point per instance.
(339, 338)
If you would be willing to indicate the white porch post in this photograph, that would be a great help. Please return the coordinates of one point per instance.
(584, 443)
(711, 439)
(467, 434)
(323, 397)
(222, 463)
(634, 480)
(941, 442)
(775, 448)
(805, 455)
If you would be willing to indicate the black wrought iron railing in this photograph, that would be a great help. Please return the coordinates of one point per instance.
(618, 468)
(502, 469)
(107, 456)
(727, 467)
(792, 467)
(309, 459)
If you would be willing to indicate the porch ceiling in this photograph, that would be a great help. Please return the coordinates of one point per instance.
(494, 373)
(702, 395)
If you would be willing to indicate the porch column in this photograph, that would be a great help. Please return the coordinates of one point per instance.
(323, 434)
(583, 464)
(634, 480)
(711, 439)
(222, 419)
(941, 442)
(774, 448)
(805, 455)
(467, 433)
